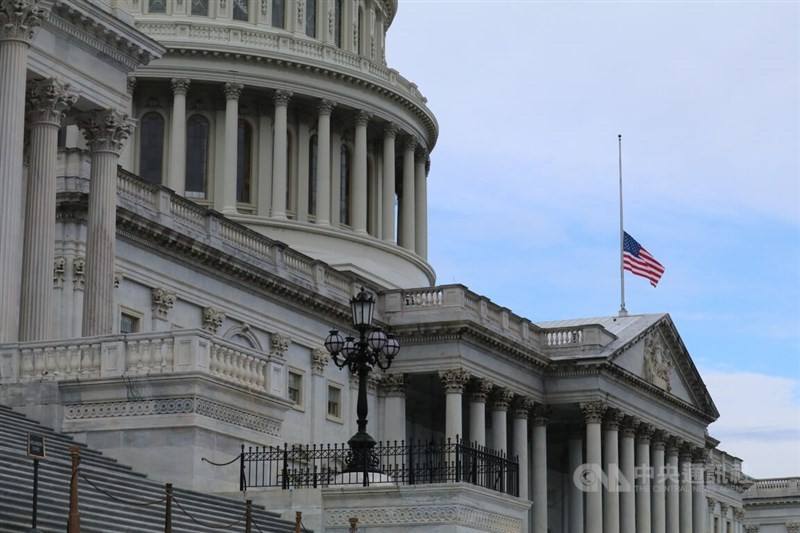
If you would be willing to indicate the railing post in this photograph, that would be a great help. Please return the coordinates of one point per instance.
(242, 478)
(458, 459)
(168, 508)
(248, 516)
(285, 469)
(74, 521)
(411, 450)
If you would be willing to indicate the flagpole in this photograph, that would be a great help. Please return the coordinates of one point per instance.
(622, 310)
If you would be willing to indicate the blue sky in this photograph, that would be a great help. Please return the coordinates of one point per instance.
(530, 97)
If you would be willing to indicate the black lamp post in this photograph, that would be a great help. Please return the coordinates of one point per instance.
(372, 348)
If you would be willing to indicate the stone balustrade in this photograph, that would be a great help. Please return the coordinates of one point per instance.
(774, 487)
(138, 354)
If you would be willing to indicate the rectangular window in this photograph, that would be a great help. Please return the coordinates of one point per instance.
(200, 8)
(278, 13)
(311, 18)
(128, 323)
(157, 6)
(334, 402)
(296, 388)
(241, 11)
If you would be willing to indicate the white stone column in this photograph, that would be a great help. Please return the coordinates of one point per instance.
(323, 215)
(359, 192)
(19, 19)
(303, 144)
(177, 145)
(48, 100)
(611, 501)
(519, 415)
(421, 206)
(501, 399)
(699, 491)
(659, 500)
(319, 392)
(540, 420)
(105, 132)
(227, 204)
(280, 142)
(673, 488)
(406, 219)
(593, 415)
(477, 411)
(575, 458)
(394, 386)
(389, 138)
(685, 464)
(627, 497)
(453, 381)
(643, 518)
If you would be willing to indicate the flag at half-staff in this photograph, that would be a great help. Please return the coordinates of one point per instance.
(637, 260)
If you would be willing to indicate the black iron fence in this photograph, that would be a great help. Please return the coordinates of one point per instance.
(390, 463)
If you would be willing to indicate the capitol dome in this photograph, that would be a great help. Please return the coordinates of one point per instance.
(283, 115)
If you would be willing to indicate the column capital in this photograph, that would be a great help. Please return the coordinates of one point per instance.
(106, 130)
(20, 18)
(673, 444)
(181, 86)
(723, 509)
(712, 504)
(700, 455)
(791, 527)
(232, 90)
(521, 406)
(738, 514)
(454, 379)
(501, 398)
(48, 100)
(394, 385)
(410, 143)
(480, 389)
(163, 301)
(659, 440)
(629, 425)
(319, 360)
(613, 418)
(541, 414)
(325, 107)
(363, 118)
(390, 130)
(686, 452)
(593, 411)
(282, 97)
(421, 152)
(645, 432)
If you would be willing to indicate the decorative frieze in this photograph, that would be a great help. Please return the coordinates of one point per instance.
(501, 398)
(454, 380)
(657, 362)
(163, 300)
(319, 360)
(212, 319)
(48, 100)
(59, 271)
(279, 345)
(466, 516)
(106, 130)
(20, 18)
(593, 411)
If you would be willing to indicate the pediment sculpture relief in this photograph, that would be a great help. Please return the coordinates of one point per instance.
(657, 362)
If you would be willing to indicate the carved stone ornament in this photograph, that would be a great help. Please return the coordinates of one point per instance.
(20, 18)
(791, 527)
(593, 411)
(163, 301)
(541, 414)
(501, 398)
(233, 90)
(325, 107)
(319, 360)
(131, 84)
(212, 319)
(645, 432)
(106, 130)
(181, 85)
(301, 12)
(657, 362)
(394, 384)
(628, 426)
(712, 504)
(118, 277)
(48, 100)
(521, 406)
(59, 271)
(751, 529)
(79, 273)
(454, 379)
(481, 387)
(281, 97)
(279, 345)
(613, 418)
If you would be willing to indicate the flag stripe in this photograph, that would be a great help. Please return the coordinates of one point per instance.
(637, 260)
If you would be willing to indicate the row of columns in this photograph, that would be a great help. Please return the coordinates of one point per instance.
(26, 266)
(413, 224)
(718, 521)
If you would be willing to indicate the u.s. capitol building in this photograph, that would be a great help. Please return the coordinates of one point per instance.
(193, 191)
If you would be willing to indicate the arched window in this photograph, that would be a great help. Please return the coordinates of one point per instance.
(200, 8)
(311, 18)
(344, 186)
(312, 176)
(241, 10)
(151, 147)
(157, 6)
(243, 162)
(197, 134)
(279, 13)
(338, 21)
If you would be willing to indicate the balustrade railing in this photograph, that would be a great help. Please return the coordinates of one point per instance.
(390, 463)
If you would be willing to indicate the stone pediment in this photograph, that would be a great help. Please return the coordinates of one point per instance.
(658, 356)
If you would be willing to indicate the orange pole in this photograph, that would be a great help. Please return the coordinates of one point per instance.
(74, 522)
(298, 520)
(353, 525)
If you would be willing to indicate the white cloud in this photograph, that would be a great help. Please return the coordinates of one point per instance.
(759, 422)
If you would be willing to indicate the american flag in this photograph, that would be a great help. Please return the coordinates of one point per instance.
(639, 261)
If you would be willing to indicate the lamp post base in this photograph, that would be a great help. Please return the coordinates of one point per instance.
(362, 459)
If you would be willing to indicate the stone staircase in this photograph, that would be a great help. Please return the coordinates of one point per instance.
(98, 512)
